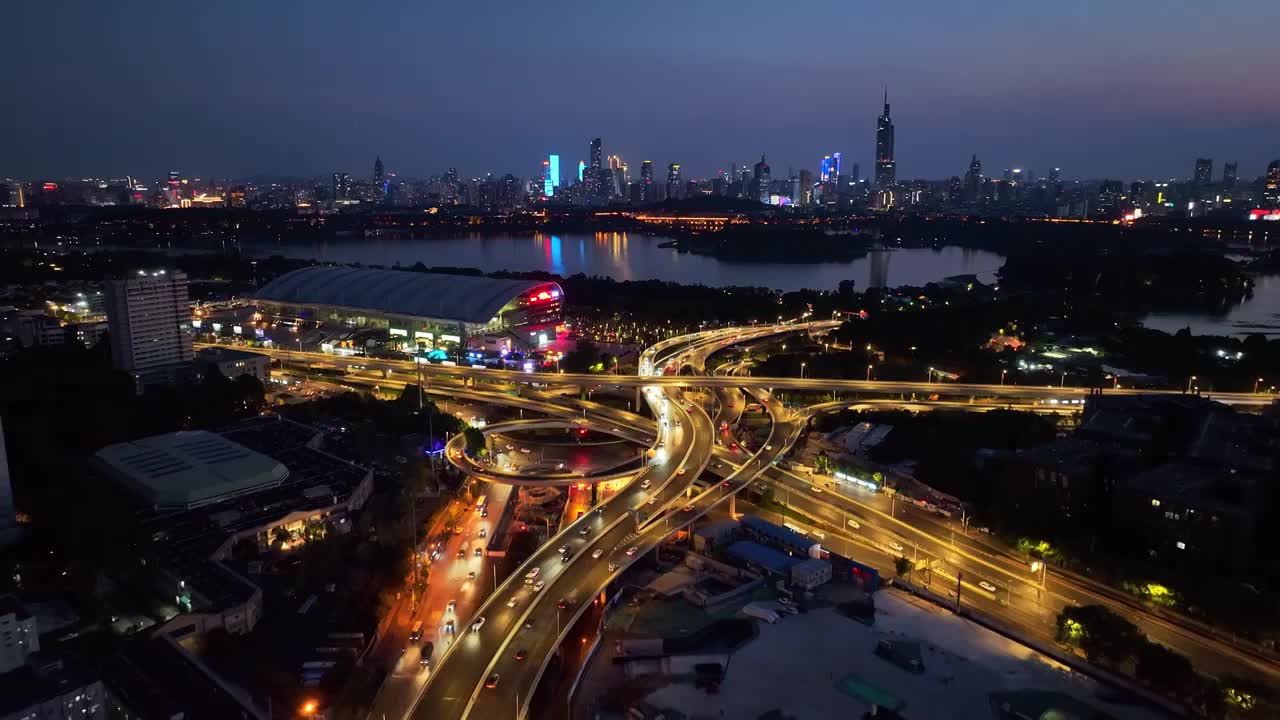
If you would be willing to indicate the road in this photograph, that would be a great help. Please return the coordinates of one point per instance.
(515, 640)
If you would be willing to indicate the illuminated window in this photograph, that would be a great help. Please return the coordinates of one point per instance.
(1155, 502)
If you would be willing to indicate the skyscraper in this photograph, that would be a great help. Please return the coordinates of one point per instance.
(973, 179)
(341, 186)
(760, 178)
(886, 170)
(1229, 174)
(1204, 171)
(1055, 174)
(551, 182)
(379, 172)
(646, 181)
(673, 181)
(1271, 185)
(147, 315)
(595, 154)
(830, 170)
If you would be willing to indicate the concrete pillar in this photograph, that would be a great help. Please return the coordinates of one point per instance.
(595, 494)
(733, 505)
(636, 407)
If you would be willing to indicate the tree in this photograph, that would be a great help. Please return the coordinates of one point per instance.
(1164, 669)
(475, 442)
(280, 536)
(902, 567)
(1103, 635)
(580, 359)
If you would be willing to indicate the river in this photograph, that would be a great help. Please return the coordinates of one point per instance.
(1259, 314)
(629, 256)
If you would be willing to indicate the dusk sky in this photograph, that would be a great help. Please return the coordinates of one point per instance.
(1117, 89)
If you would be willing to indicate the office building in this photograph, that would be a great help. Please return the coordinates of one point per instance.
(1229, 175)
(379, 172)
(1204, 172)
(1271, 185)
(646, 181)
(886, 170)
(233, 363)
(973, 180)
(147, 316)
(830, 170)
(760, 177)
(673, 181)
(1055, 175)
(341, 186)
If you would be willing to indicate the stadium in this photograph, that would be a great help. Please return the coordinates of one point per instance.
(420, 311)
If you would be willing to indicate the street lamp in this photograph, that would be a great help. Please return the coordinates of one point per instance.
(1189, 381)
(801, 371)
(868, 373)
(930, 374)
(1256, 383)
(1002, 374)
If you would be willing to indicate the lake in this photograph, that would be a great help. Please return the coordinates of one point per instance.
(628, 256)
(1260, 314)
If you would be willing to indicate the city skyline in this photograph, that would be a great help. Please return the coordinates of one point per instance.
(250, 93)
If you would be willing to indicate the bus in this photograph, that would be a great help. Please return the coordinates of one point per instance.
(481, 503)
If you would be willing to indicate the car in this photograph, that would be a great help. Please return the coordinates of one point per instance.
(727, 483)
(566, 557)
(631, 551)
(462, 553)
(645, 485)
(613, 566)
(897, 546)
(563, 603)
(471, 575)
(854, 524)
(539, 585)
(584, 531)
(448, 627)
(528, 624)
(524, 451)
(564, 550)
(479, 623)
(510, 448)
(491, 682)
(687, 508)
(816, 489)
(484, 513)
(734, 447)
(653, 500)
(681, 471)
(425, 661)
(532, 575)
(785, 601)
(451, 606)
(768, 448)
(987, 586)
(483, 532)
(595, 554)
(479, 552)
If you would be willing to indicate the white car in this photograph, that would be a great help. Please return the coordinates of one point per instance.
(897, 547)
(479, 623)
(653, 500)
(854, 524)
(452, 604)
(645, 485)
(537, 587)
(597, 553)
(512, 602)
(532, 575)
(987, 586)
(631, 551)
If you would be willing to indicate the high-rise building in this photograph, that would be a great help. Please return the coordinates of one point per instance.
(551, 176)
(379, 172)
(595, 154)
(973, 179)
(341, 186)
(1204, 171)
(19, 638)
(886, 170)
(582, 166)
(147, 316)
(1271, 184)
(9, 529)
(805, 196)
(1229, 174)
(1055, 174)
(673, 181)
(830, 168)
(760, 177)
(646, 181)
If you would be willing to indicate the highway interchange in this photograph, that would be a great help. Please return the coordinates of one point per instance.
(493, 670)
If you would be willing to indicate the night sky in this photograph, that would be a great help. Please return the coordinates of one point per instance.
(1102, 89)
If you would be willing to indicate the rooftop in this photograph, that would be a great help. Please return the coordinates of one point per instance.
(189, 469)
(766, 557)
(461, 298)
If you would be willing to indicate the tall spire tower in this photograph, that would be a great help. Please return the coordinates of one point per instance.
(886, 169)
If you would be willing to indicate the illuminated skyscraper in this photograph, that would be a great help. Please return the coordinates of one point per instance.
(551, 180)
(595, 154)
(341, 186)
(1271, 185)
(1204, 171)
(886, 170)
(581, 167)
(646, 181)
(830, 171)
(674, 188)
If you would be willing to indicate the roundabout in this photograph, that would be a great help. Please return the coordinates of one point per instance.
(536, 474)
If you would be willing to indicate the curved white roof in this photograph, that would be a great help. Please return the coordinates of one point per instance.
(461, 298)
